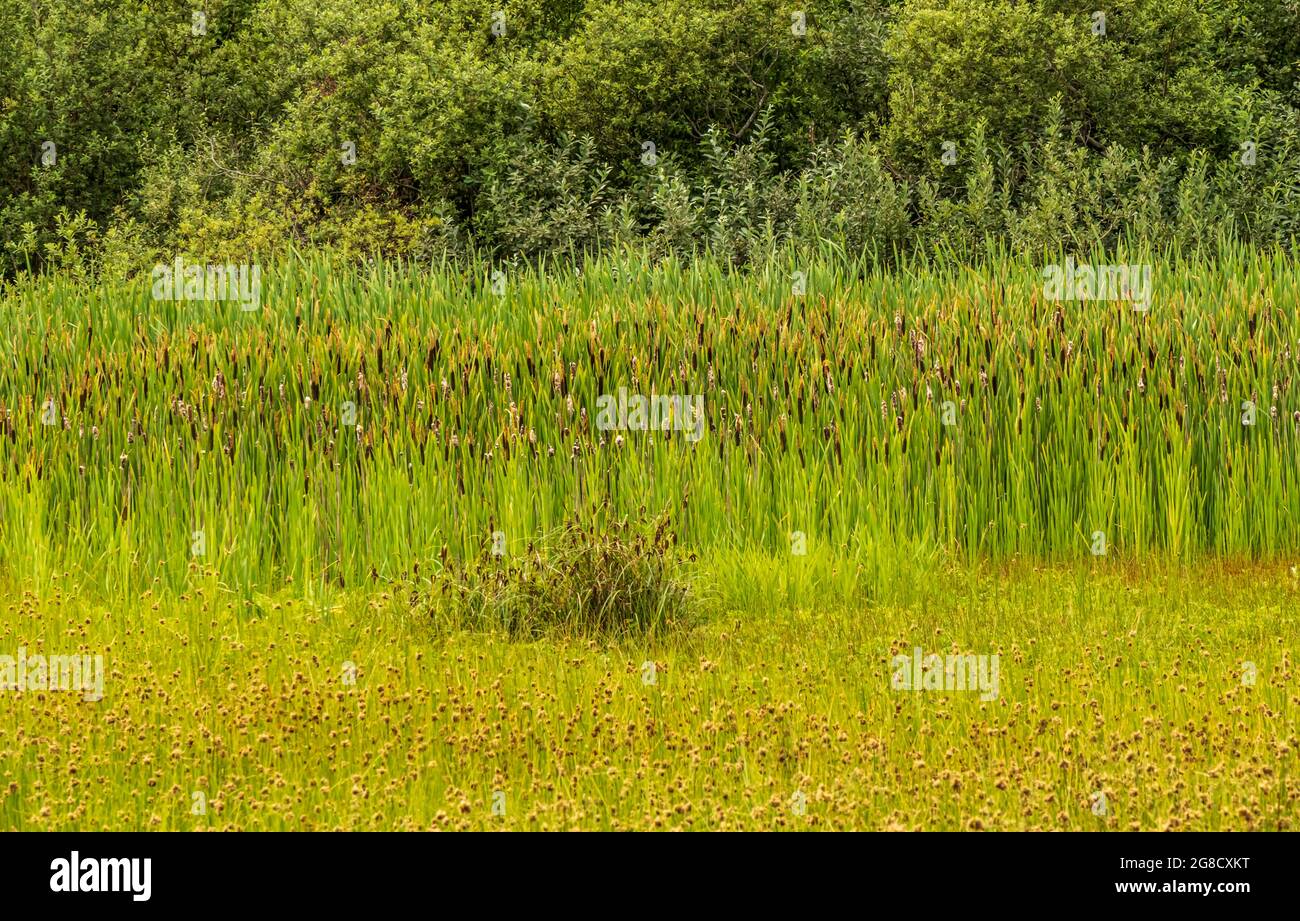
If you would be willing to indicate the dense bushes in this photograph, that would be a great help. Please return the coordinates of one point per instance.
(522, 128)
(1144, 75)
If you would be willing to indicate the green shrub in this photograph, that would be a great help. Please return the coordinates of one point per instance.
(1148, 81)
(582, 579)
(541, 199)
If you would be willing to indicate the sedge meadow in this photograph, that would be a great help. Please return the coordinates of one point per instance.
(362, 557)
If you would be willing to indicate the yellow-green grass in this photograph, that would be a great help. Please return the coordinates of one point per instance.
(1120, 681)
